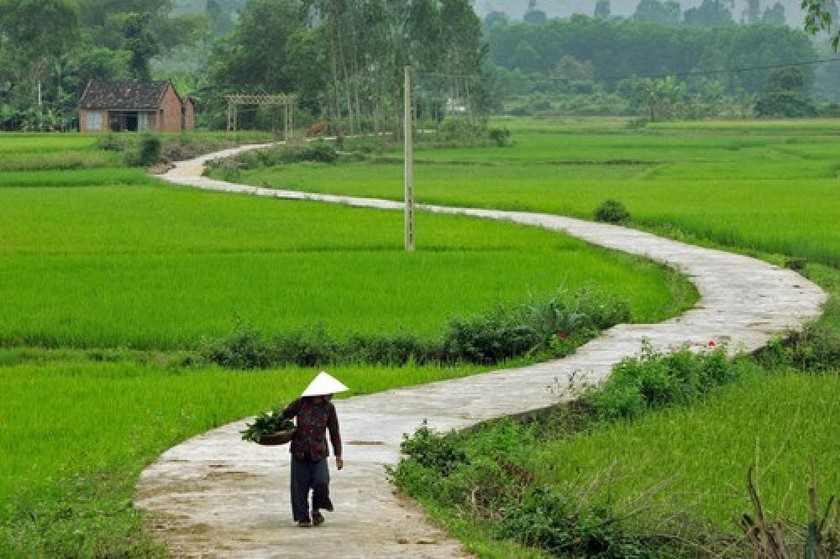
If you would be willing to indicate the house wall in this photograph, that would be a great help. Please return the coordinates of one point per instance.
(85, 121)
(189, 115)
(169, 116)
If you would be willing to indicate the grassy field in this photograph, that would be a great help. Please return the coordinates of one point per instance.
(96, 255)
(107, 277)
(749, 424)
(159, 267)
(571, 168)
(768, 188)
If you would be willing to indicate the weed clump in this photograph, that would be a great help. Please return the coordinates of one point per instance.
(244, 348)
(612, 211)
(148, 152)
(656, 380)
(500, 136)
(547, 328)
(318, 151)
(815, 349)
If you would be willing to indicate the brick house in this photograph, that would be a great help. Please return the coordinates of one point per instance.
(133, 106)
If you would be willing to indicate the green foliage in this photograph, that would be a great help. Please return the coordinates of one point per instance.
(819, 16)
(816, 348)
(554, 522)
(544, 327)
(267, 423)
(430, 450)
(487, 338)
(501, 136)
(148, 151)
(244, 348)
(612, 211)
(482, 476)
(114, 142)
(655, 380)
(464, 129)
(319, 151)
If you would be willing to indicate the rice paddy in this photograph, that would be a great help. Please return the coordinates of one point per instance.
(97, 256)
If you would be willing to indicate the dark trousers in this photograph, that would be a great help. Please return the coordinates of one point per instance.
(308, 475)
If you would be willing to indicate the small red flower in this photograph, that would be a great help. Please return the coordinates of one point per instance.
(712, 343)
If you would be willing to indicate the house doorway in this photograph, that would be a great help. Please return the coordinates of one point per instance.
(128, 121)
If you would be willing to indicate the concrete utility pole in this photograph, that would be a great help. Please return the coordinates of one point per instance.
(409, 166)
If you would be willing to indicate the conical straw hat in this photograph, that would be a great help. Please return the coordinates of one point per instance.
(324, 384)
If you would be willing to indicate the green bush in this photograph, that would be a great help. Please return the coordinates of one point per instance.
(318, 151)
(560, 525)
(488, 338)
(480, 476)
(655, 380)
(308, 348)
(148, 152)
(321, 152)
(430, 450)
(463, 128)
(545, 328)
(501, 136)
(612, 211)
(243, 348)
(815, 349)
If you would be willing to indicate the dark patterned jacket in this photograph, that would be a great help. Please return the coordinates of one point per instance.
(313, 420)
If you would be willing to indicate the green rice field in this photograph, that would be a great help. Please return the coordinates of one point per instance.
(108, 277)
(776, 424)
(158, 267)
(768, 186)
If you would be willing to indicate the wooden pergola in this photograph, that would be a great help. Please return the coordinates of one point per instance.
(286, 100)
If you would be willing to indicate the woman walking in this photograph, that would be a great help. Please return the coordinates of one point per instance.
(315, 415)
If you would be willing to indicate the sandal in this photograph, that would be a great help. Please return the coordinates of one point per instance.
(317, 518)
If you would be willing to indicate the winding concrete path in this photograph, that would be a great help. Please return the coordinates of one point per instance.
(217, 496)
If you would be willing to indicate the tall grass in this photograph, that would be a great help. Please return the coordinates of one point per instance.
(698, 457)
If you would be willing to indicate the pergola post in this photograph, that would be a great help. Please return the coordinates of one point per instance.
(287, 100)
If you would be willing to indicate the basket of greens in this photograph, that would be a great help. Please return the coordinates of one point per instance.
(270, 429)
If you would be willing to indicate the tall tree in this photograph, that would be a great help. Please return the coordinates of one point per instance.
(710, 13)
(143, 27)
(654, 11)
(256, 56)
(774, 15)
(785, 95)
(819, 16)
(752, 13)
(35, 35)
(602, 9)
(495, 18)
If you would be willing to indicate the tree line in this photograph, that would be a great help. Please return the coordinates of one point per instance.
(49, 49)
(628, 65)
(344, 59)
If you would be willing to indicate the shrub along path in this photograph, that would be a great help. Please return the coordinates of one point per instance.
(218, 496)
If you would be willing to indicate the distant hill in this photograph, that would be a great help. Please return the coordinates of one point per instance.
(515, 9)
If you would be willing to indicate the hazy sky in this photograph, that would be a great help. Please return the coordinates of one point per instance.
(563, 8)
